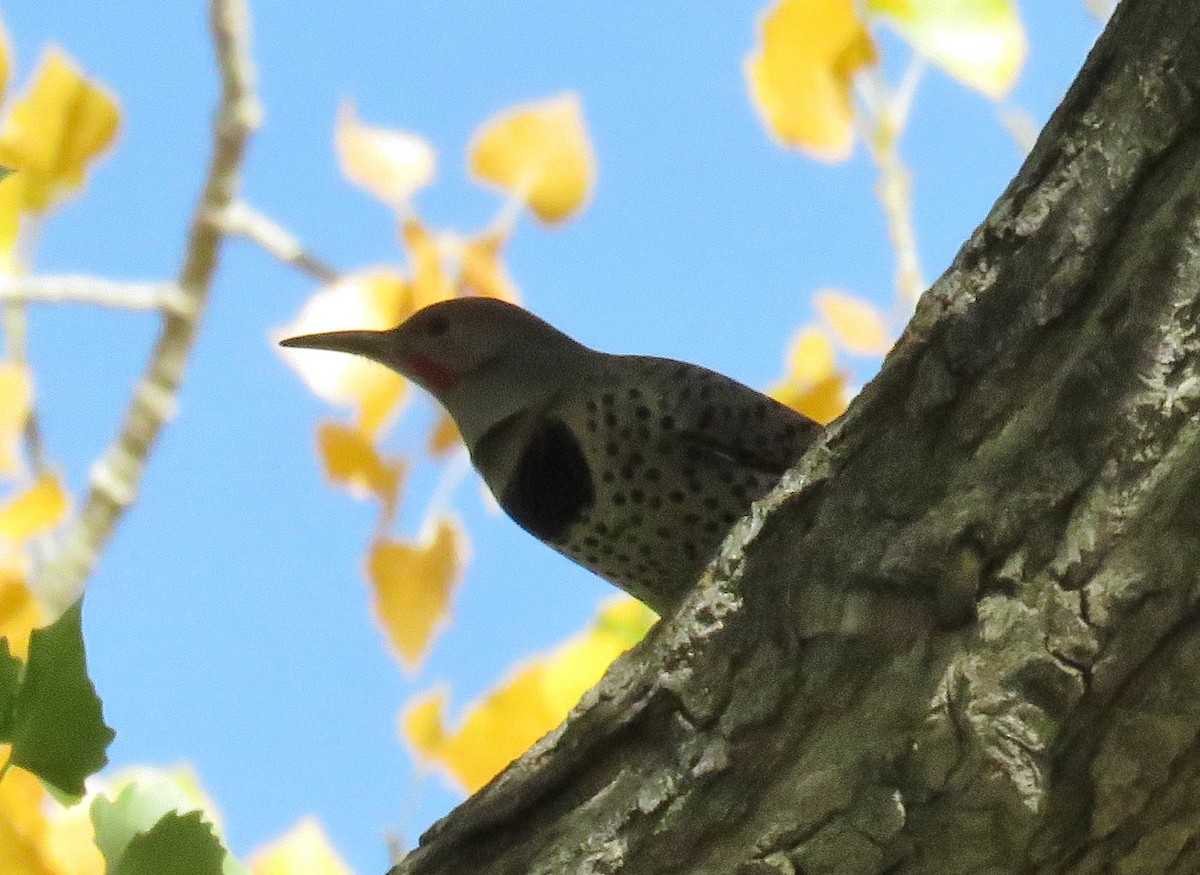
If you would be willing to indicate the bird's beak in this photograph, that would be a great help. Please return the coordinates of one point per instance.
(380, 346)
(369, 344)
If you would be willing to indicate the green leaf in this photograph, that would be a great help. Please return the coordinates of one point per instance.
(6, 172)
(10, 673)
(139, 808)
(178, 844)
(58, 729)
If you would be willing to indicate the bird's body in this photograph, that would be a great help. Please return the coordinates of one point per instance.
(633, 466)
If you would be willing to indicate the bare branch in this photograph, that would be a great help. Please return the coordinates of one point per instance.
(16, 331)
(116, 476)
(91, 291)
(245, 221)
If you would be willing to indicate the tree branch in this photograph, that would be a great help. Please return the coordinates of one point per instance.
(243, 220)
(160, 296)
(116, 476)
(962, 635)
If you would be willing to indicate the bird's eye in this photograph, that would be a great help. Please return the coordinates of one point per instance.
(437, 325)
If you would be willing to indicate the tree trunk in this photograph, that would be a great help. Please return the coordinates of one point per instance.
(962, 635)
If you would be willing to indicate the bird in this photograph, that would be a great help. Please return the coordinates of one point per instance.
(635, 467)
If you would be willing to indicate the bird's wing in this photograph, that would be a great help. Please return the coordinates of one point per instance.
(720, 415)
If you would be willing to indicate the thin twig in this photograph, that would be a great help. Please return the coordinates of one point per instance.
(89, 290)
(245, 221)
(16, 346)
(116, 476)
(16, 349)
(881, 132)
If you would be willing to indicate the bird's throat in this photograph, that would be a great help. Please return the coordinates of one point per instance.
(430, 373)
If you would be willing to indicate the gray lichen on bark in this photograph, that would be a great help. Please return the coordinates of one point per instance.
(962, 635)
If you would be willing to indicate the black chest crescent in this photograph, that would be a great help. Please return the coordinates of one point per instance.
(551, 486)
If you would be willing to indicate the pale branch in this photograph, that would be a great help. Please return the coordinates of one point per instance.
(889, 113)
(16, 331)
(243, 220)
(116, 476)
(91, 291)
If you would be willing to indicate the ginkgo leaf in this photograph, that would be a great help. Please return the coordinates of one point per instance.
(536, 698)
(444, 436)
(540, 152)
(423, 722)
(353, 461)
(578, 665)
(823, 401)
(810, 356)
(16, 396)
(812, 384)
(24, 827)
(6, 59)
(33, 512)
(302, 850)
(857, 324)
(374, 299)
(496, 730)
(413, 584)
(12, 199)
(56, 130)
(391, 165)
(800, 77)
(20, 613)
(429, 282)
(979, 42)
(482, 271)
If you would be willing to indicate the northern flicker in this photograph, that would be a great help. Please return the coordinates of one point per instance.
(633, 466)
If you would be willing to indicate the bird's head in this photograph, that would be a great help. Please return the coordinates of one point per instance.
(482, 358)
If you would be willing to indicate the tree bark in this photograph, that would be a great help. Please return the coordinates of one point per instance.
(962, 634)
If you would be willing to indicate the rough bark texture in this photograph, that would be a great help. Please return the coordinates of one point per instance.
(962, 636)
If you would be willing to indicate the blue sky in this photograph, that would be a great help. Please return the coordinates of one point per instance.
(228, 623)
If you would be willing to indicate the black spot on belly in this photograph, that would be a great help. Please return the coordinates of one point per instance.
(552, 484)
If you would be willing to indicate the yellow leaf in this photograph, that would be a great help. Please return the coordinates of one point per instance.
(413, 584)
(54, 131)
(71, 841)
(19, 612)
(422, 722)
(535, 699)
(496, 730)
(353, 462)
(800, 77)
(429, 283)
(979, 42)
(303, 850)
(374, 299)
(23, 825)
(482, 271)
(16, 396)
(444, 436)
(391, 165)
(810, 358)
(856, 323)
(38, 509)
(578, 665)
(12, 198)
(540, 152)
(812, 384)
(823, 402)
(5, 59)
